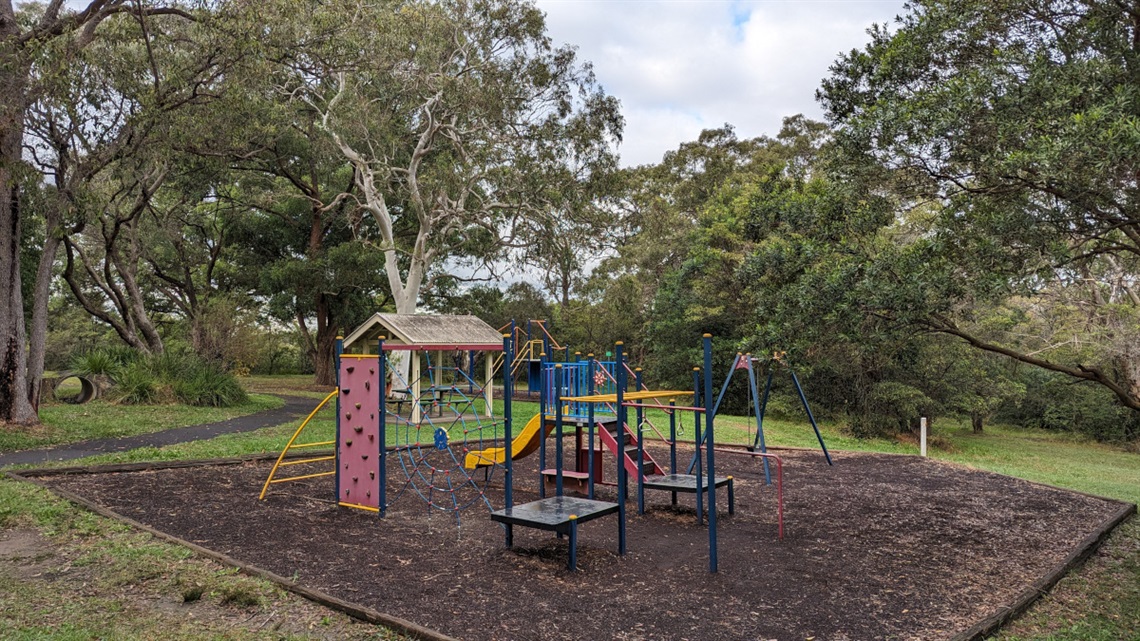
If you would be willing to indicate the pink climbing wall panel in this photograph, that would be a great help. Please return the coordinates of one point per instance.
(358, 440)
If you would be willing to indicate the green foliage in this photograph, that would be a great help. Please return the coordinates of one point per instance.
(104, 361)
(136, 384)
(725, 184)
(1006, 134)
(181, 376)
(71, 330)
(1057, 403)
(203, 384)
(891, 408)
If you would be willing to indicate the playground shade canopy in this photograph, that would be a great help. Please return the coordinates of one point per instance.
(424, 332)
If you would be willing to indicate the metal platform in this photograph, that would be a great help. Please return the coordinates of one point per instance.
(560, 514)
(688, 483)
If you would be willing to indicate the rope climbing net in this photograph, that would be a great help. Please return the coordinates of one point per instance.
(431, 433)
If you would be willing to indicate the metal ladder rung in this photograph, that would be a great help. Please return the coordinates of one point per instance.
(308, 460)
(313, 444)
(305, 476)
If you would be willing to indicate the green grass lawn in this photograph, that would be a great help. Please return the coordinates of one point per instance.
(70, 575)
(63, 423)
(290, 384)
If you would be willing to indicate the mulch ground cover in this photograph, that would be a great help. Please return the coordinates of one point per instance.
(875, 547)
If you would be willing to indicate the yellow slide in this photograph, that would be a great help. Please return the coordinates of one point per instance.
(522, 444)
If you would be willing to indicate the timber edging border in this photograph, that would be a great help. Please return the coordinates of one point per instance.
(353, 610)
(1039, 588)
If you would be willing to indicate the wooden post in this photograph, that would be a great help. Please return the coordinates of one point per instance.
(415, 356)
(489, 387)
(922, 435)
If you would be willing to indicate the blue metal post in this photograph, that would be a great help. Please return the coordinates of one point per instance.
(572, 563)
(672, 437)
(727, 380)
(763, 408)
(753, 390)
(336, 364)
(673, 444)
(542, 400)
(716, 408)
(803, 399)
(508, 436)
(710, 447)
(382, 370)
(558, 373)
(590, 424)
(621, 416)
(546, 343)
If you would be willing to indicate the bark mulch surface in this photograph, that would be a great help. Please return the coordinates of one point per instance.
(876, 547)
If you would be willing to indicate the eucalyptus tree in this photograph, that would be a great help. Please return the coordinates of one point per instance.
(27, 39)
(292, 220)
(110, 131)
(1010, 128)
(460, 120)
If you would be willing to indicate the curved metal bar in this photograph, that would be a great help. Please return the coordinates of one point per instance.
(265, 488)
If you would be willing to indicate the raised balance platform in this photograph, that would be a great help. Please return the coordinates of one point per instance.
(688, 483)
(560, 514)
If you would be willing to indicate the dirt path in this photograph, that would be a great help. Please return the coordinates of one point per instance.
(295, 406)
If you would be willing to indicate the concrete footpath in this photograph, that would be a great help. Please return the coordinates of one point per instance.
(295, 407)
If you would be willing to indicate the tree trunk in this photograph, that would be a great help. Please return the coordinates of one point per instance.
(565, 286)
(37, 340)
(323, 359)
(977, 420)
(14, 404)
(1129, 365)
(399, 361)
(326, 345)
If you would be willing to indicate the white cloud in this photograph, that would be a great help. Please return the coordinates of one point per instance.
(683, 66)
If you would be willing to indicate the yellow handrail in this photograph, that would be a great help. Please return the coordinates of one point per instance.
(265, 488)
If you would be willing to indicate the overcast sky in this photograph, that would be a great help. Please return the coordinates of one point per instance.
(680, 66)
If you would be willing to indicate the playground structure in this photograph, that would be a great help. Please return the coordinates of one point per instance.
(420, 442)
(534, 346)
(53, 387)
(436, 448)
(563, 514)
(747, 362)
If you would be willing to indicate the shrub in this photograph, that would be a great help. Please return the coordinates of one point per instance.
(104, 361)
(890, 408)
(202, 384)
(135, 384)
(167, 376)
(170, 367)
(1055, 402)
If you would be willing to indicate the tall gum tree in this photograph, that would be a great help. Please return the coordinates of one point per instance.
(22, 39)
(460, 121)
